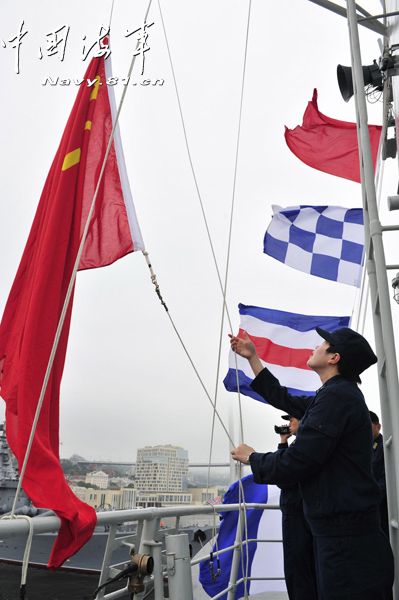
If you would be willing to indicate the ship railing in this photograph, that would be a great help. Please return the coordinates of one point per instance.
(168, 547)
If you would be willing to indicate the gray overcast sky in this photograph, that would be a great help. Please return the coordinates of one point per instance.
(127, 382)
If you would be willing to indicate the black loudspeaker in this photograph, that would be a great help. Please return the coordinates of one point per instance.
(371, 75)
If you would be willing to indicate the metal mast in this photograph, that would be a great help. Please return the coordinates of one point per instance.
(377, 272)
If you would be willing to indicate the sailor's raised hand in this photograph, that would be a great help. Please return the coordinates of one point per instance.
(244, 347)
(242, 453)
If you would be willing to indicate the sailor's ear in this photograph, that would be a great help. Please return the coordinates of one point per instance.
(335, 358)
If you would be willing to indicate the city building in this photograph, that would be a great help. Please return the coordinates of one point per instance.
(80, 492)
(121, 481)
(202, 495)
(98, 478)
(122, 499)
(161, 499)
(73, 479)
(161, 469)
(161, 476)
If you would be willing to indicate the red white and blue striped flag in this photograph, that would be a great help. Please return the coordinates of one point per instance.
(284, 341)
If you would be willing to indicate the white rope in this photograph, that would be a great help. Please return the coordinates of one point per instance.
(245, 568)
(154, 281)
(223, 288)
(241, 502)
(203, 385)
(25, 560)
(70, 287)
(225, 308)
(215, 533)
(191, 162)
(215, 412)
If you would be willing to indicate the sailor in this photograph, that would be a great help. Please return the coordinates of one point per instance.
(331, 460)
(378, 467)
(299, 563)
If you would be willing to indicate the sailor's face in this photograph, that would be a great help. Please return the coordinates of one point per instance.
(376, 430)
(320, 356)
(294, 424)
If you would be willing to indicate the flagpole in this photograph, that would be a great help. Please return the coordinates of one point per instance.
(70, 288)
(382, 316)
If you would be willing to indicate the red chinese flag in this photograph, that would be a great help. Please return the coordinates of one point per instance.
(329, 145)
(33, 309)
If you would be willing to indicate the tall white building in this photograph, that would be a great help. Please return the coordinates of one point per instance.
(161, 469)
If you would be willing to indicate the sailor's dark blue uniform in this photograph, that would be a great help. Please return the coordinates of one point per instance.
(331, 460)
(299, 563)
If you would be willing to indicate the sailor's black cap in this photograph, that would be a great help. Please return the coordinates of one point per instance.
(354, 349)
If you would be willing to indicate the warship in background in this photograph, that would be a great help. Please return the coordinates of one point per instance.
(9, 481)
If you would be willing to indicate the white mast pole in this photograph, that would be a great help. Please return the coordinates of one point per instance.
(382, 317)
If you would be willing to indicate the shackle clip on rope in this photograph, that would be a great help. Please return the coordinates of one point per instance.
(154, 280)
(218, 572)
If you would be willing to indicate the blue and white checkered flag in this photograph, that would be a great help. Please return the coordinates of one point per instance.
(326, 241)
